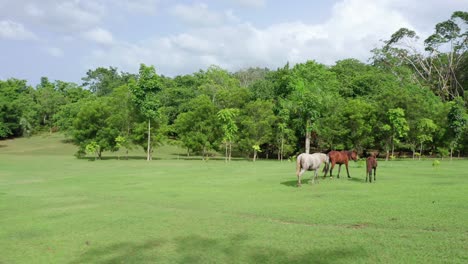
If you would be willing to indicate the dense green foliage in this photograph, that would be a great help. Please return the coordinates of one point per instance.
(169, 211)
(391, 104)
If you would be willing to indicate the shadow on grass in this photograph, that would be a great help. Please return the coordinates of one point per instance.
(179, 156)
(198, 249)
(293, 183)
(123, 158)
(3, 146)
(67, 141)
(354, 179)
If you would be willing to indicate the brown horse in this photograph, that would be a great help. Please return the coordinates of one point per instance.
(340, 158)
(371, 163)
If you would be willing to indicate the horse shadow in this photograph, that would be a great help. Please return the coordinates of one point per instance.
(354, 179)
(305, 181)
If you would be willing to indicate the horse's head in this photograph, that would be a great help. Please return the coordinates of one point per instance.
(354, 155)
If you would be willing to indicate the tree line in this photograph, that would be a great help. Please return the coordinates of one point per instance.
(403, 99)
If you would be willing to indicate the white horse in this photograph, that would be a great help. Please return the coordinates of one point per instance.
(310, 162)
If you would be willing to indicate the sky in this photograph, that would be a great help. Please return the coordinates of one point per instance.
(64, 39)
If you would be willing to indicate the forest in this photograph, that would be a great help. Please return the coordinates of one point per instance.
(409, 99)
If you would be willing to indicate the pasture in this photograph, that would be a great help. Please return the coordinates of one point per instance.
(56, 208)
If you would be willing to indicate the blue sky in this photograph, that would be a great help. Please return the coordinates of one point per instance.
(63, 39)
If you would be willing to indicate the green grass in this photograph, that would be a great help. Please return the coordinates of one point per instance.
(55, 208)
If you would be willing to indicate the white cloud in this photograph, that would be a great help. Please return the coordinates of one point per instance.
(15, 31)
(354, 28)
(250, 3)
(59, 16)
(139, 6)
(54, 51)
(99, 35)
(197, 14)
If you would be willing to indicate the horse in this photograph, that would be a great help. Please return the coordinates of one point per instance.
(340, 158)
(309, 162)
(371, 164)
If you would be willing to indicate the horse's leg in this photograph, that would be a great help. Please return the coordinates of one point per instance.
(316, 175)
(325, 169)
(331, 169)
(339, 170)
(299, 175)
(347, 171)
(375, 170)
(370, 175)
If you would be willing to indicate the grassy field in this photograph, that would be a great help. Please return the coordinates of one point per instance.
(55, 208)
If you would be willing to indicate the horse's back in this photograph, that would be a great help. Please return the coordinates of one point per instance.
(312, 161)
(371, 162)
(337, 156)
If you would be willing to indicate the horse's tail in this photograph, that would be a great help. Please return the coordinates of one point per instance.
(298, 164)
(327, 164)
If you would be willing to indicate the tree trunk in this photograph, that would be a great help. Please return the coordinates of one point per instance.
(226, 152)
(386, 156)
(307, 138)
(451, 152)
(148, 157)
(255, 155)
(282, 149)
(230, 150)
(420, 151)
(393, 148)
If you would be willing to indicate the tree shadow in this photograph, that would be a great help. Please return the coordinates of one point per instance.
(67, 141)
(201, 249)
(179, 156)
(123, 158)
(3, 146)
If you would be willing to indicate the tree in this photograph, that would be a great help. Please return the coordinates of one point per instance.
(438, 65)
(284, 135)
(92, 125)
(425, 128)
(102, 81)
(94, 149)
(457, 121)
(198, 128)
(249, 76)
(397, 126)
(229, 127)
(18, 110)
(359, 118)
(50, 100)
(313, 87)
(145, 95)
(257, 120)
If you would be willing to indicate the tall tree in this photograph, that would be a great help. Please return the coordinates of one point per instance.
(229, 127)
(313, 87)
(437, 66)
(457, 121)
(49, 100)
(198, 128)
(102, 81)
(425, 130)
(257, 122)
(146, 96)
(397, 126)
